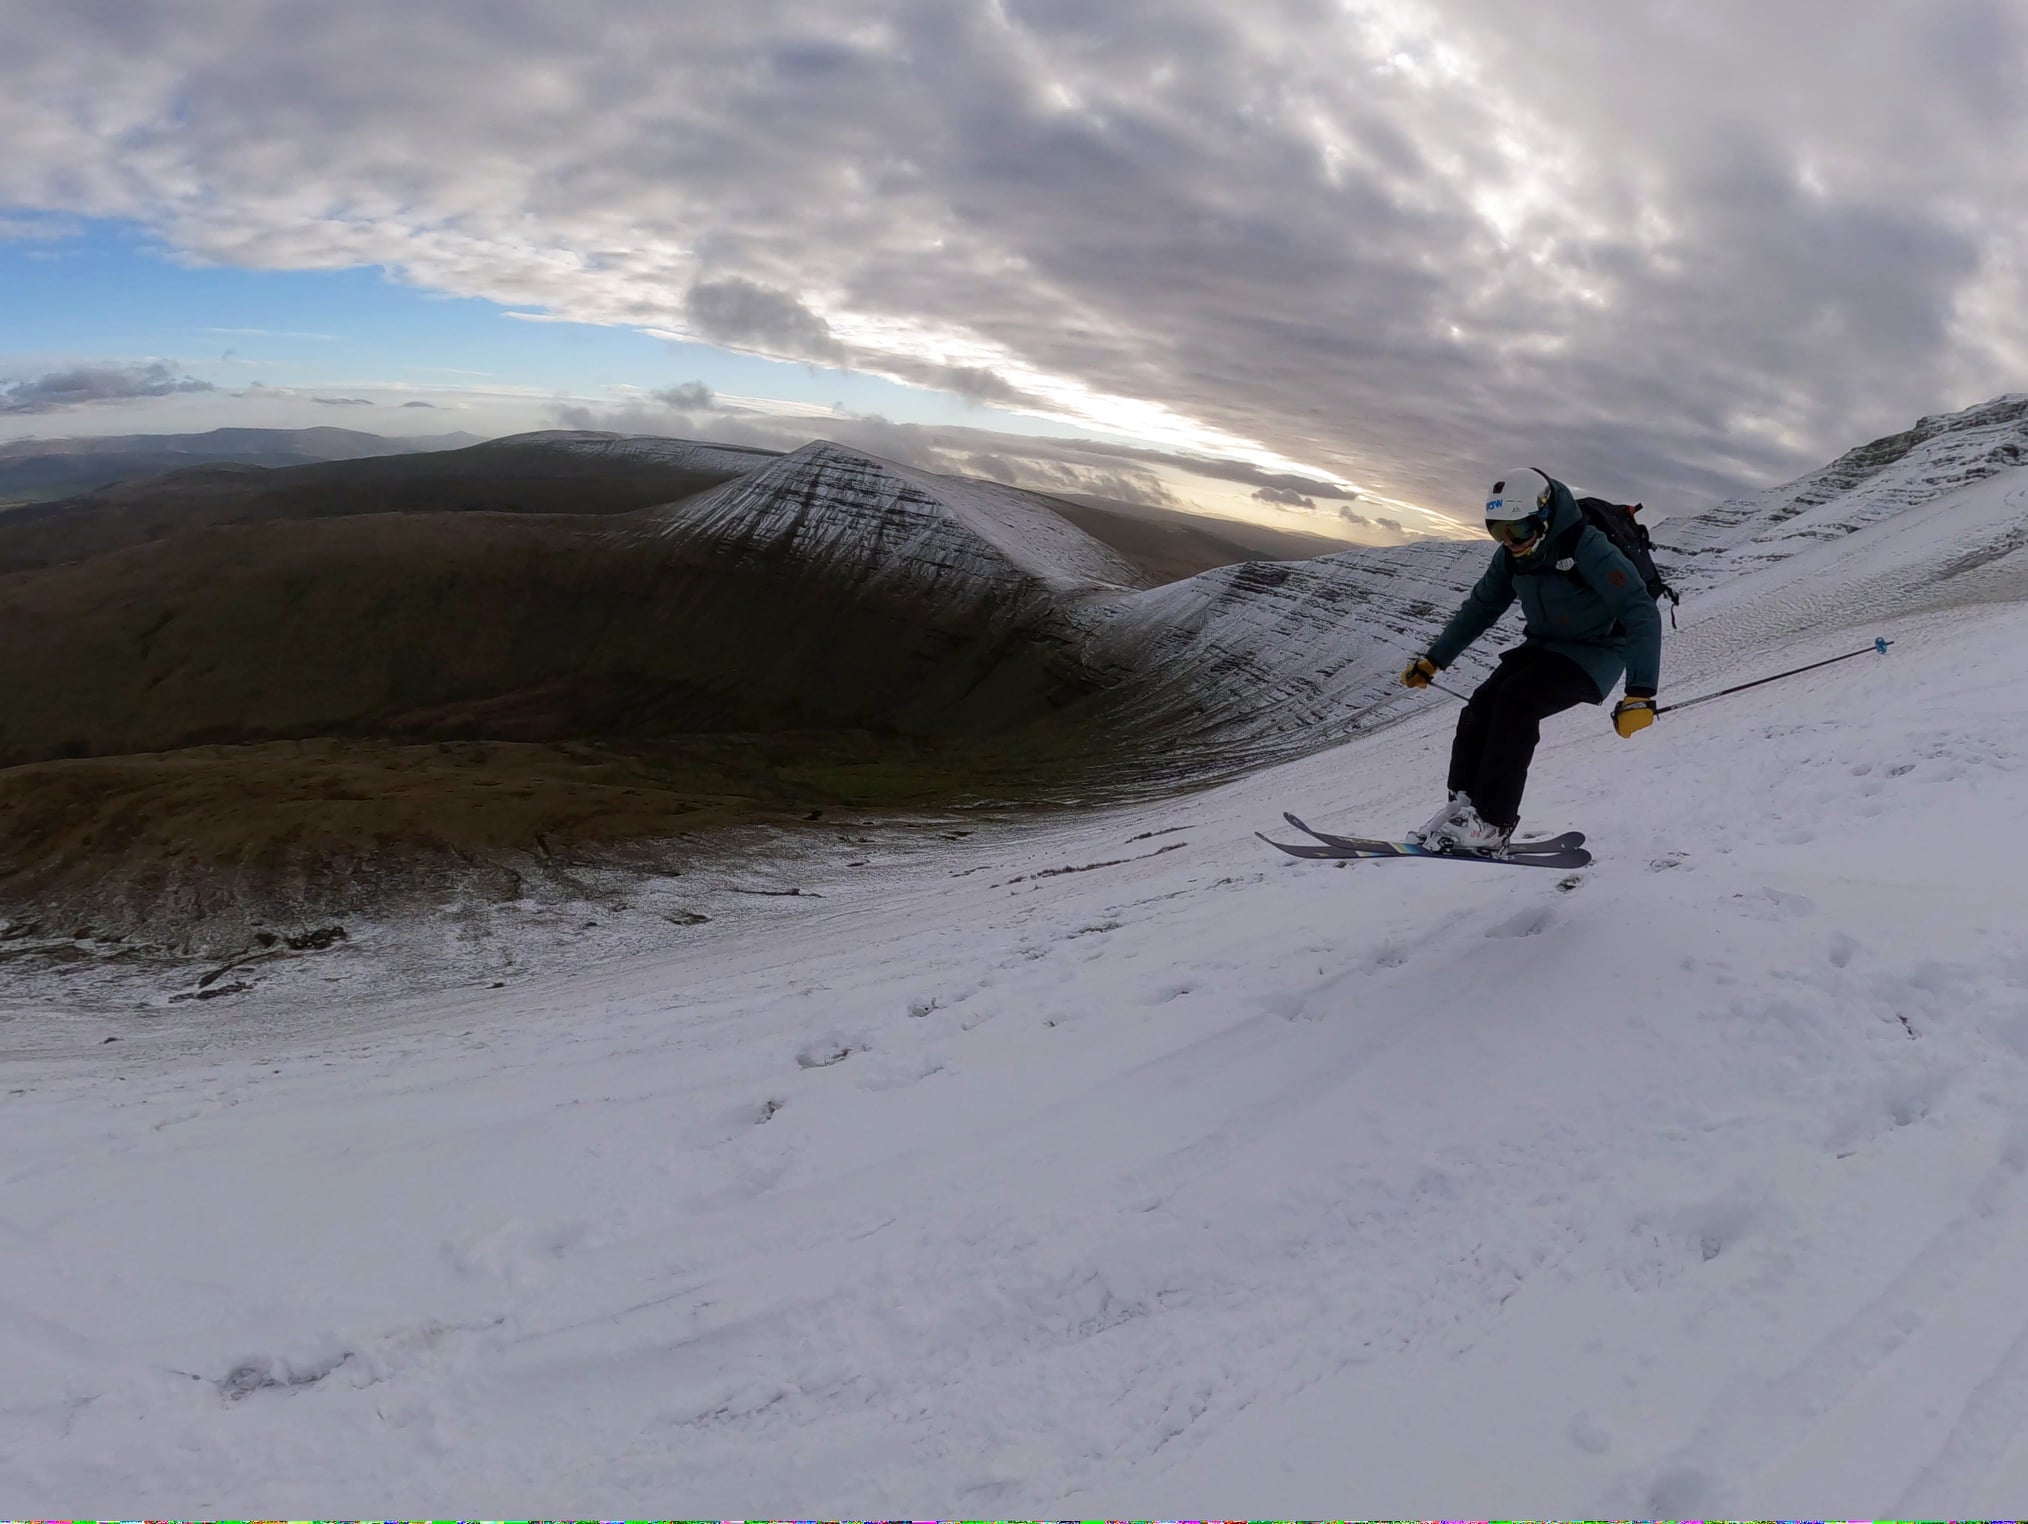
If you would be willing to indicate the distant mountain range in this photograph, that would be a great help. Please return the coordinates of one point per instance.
(36, 469)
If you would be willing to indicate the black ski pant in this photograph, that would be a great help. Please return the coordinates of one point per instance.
(1502, 722)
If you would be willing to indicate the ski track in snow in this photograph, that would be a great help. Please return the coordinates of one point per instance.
(1206, 1181)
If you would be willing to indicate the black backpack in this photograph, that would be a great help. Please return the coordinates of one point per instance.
(1630, 538)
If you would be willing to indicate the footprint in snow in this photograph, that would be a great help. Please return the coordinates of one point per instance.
(1679, 1493)
(824, 1052)
(519, 1254)
(258, 1372)
(894, 1072)
(1587, 1435)
(1775, 904)
(1527, 923)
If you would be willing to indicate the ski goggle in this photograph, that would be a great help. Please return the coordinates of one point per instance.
(1518, 531)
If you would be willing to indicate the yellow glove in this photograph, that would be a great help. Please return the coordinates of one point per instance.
(1632, 714)
(1418, 673)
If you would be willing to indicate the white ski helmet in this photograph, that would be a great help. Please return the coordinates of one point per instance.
(1518, 506)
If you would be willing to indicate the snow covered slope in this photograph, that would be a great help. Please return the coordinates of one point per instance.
(1269, 658)
(1115, 1164)
(1864, 486)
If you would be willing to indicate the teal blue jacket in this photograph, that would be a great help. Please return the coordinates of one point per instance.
(1601, 618)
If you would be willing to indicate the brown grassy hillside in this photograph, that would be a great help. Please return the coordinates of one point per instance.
(289, 698)
(513, 627)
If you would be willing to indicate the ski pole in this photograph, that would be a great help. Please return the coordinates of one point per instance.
(1879, 646)
(1451, 693)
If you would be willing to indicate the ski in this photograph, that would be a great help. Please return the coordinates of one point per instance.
(1562, 857)
(1561, 843)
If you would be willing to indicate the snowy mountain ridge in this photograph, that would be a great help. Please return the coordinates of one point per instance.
(1252, 661)
(876, 522)
(1867, 485)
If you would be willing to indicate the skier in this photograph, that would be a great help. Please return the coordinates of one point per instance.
(1589, 618)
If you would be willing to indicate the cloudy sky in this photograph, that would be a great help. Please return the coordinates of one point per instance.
(1664, 249)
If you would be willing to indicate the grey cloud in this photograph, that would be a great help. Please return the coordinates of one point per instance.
(1289, 221)
(812, 59)
(1064, 478)
(36, 229)
(977, 384)
(418, 404)
(63, 389)
(1145, 490)
(1286, 497)
(691, 396)
(1982, 47)
(995, 468)
(344, 401)
(741, 313)
(1242, 473)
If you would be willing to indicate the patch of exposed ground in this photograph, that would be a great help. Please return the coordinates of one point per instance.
(203, 852)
